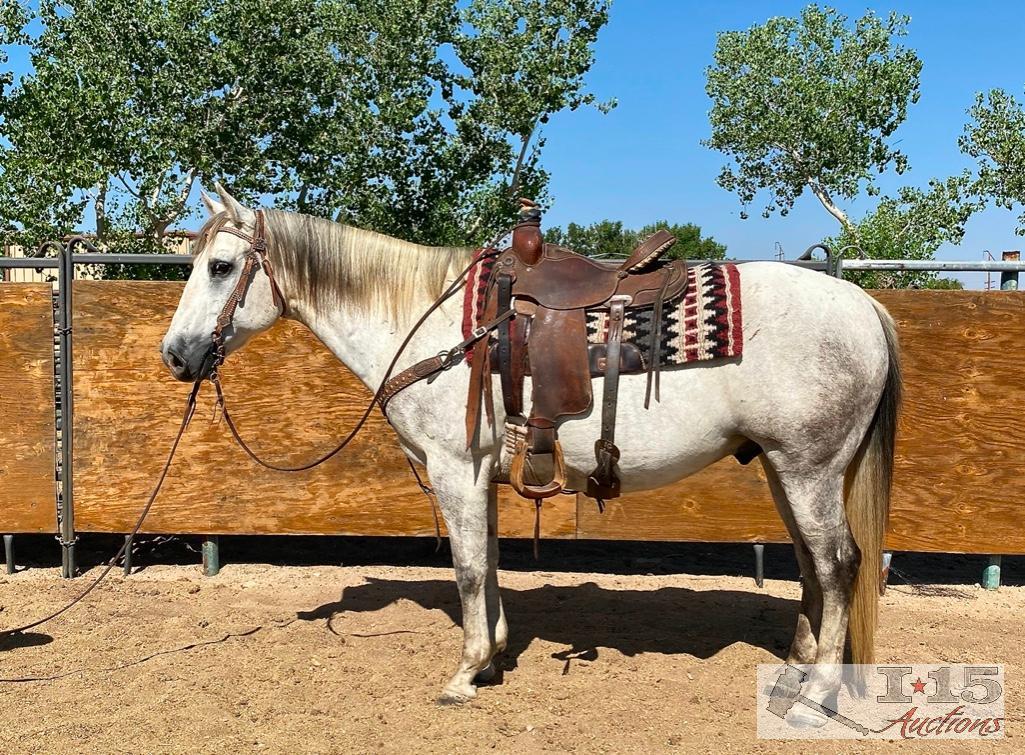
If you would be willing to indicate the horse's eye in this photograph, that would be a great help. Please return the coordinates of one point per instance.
(220, 268)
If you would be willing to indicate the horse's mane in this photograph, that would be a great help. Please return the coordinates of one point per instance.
(321, 264)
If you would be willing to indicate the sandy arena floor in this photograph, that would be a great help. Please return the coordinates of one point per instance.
(332, 659)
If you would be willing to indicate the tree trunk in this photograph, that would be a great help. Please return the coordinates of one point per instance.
(827, 201)
(514, 184)
(158, 228)
(101, 211)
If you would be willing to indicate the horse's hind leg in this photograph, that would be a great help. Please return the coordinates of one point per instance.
(472, 533)
(804, 646)
(816, 497)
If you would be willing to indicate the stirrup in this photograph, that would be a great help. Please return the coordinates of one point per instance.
(547, 490)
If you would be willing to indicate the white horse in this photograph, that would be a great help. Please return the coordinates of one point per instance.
(817, 389)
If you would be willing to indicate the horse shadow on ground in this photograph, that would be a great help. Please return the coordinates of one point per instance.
(587, 617)
(19, 640)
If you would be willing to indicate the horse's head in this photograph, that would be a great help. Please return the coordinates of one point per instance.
(220, 254)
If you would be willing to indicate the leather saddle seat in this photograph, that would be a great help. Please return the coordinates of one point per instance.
(551, 290)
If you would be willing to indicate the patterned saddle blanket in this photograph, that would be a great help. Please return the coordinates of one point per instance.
(705, 323)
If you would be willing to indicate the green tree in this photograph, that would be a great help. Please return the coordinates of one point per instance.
(408, 118)
(810, 103)
(608, 238)
(911, 226)
(995, 137)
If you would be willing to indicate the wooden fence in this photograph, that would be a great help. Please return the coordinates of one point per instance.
(957, 482)
(287, 392)
(27, 437)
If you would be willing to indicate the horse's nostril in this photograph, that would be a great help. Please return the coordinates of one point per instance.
(175, 359)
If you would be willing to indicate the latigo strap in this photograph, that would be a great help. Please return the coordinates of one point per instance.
(603, 482)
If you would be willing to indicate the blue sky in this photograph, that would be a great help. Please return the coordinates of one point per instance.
(644, 160)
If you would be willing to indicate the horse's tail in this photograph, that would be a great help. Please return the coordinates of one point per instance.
(869, 479)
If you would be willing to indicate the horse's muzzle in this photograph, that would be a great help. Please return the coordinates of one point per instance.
(185, 366)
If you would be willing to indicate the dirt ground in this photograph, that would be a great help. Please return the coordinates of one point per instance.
(611, 651)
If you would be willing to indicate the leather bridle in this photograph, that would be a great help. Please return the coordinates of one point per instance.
(255, 259)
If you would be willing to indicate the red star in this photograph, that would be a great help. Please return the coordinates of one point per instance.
(919, 685)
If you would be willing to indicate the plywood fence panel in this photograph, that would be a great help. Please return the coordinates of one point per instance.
(959, 482)
(27, 441)
(288, 394)
(958, 486)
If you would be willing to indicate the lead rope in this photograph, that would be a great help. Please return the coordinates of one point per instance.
(190, 410)
(428, 491)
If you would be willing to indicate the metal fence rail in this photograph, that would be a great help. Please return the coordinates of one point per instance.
(97, 258)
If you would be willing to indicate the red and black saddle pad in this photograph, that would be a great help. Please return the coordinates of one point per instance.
(705, 324)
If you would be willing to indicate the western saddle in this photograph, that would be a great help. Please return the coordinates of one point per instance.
(551, 290)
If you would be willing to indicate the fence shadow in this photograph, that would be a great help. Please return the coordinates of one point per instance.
(605, 557)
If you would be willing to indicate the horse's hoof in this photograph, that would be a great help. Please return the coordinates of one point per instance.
(451, 698)
(802, 717)
(486, 674)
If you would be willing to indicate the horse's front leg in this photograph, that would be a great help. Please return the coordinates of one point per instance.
(496, 614)
(470, 512)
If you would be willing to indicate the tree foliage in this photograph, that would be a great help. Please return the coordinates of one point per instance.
(405, 117)
(809, 103)
(995, 137)
(608, 238)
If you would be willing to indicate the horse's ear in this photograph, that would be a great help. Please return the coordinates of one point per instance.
(239, 214)
(212, 205)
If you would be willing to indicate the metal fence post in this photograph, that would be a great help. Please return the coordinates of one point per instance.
(9, 552)
(67, 538)
(1009, 278)
(128, 555)
(759, 564)
(991, 574)
(211, 556)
